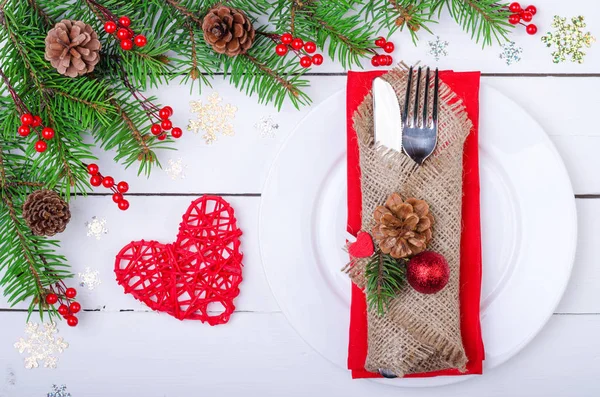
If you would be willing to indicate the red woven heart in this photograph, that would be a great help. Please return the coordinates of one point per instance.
(203, 266)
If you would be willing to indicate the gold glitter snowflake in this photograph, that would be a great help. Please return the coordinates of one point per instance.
(213, 117)
(568, 39)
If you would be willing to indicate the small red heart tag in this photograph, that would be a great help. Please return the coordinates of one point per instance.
(203, 266)
(362, 247)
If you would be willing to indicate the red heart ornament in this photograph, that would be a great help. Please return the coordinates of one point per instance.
(203, 266)
(362, 247)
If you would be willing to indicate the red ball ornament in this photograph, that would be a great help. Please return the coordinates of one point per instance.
(375, 60)
(27, 119)
(310, 47)
(63, 310)
(40, 146)
(123, 205)
(286, 38)
(428, 272)
(75, 307)
(297, 44)
(317, 59)
(37, 121)
(126, 44)
(388, 47)
(140, 40)
(124, 21)
(123, 187)
(166, 125)
(116, 197)
(176, 132)
(92, 169)
(514, 19)
(51, 299)
(96, 180)
(24, 130)
(72, 321)
(305, 61)
(108, 182)
(70, 293)
(281, 49)
(48, 133)
(526, 16)
(156, 129)
(122, 34)
(380, 41)
(110, 27)
(531, 9)
(514, 7)
(531, 29)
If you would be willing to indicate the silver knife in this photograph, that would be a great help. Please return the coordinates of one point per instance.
(386, 115)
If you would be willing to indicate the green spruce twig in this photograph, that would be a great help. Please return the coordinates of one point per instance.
(385, 277)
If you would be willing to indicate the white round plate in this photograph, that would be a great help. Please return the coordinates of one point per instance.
(524, 185)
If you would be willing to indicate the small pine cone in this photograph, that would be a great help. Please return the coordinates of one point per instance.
(46, 213)
(73, 48)
(228, 30)
(403, 227)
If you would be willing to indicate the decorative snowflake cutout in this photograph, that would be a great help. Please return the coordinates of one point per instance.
(96, 228)
(511, 53)
(59, 391)
(568, 39)
(90, 278)
(266, 126)
(437, 48)
(176, 169)
(41, 345)
(213, 117)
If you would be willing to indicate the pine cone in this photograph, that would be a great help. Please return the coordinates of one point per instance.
(228, 30)
(73, 48)
(403, 227)
(46, 213)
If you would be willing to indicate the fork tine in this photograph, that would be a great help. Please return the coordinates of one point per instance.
(426, 98)
(407, 97)
(416, 111)
(436, 88)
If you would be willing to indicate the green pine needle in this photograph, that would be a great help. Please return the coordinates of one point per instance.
(385, 276)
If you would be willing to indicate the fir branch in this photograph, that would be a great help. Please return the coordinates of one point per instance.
(385, 277)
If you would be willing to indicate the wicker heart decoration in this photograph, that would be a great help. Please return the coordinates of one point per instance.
(203, 266)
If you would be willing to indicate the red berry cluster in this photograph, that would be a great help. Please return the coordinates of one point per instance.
(526, 15)
(124, 33)
(300, 48)
(165, 125)
(28, 121)
(108, 182)
(382, 59)
(67, 307)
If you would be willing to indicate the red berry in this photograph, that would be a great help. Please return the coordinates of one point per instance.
(531, 9)
(122, 34)
(123, 187)
(382, 59)
(297, 44)
(389, 60)
(92, 169)
(123, 205)
(47, 133)
(63, 310)
(126, 44)
(75, 307)
(110, 27)
(166, 125)
(125, 21)
(51, 299)
(176, 132)
(310, 47)
(108, 182)
(169, 109)
(164, 114)
(162, 137)
(27, 119)
(305, 61)
(96, 180)
(531, 29)
(526, 16)
(286, 38)
(514, 19)
(37, 121)
(40, 146)
(140, 40)
(156, 129)
(380, 42)
(72, 321)
(71, 292)
(514, 7)
(24, 130)
(116, 197)
(388, 47)
(317, 59)
(281, 49)
(375, 60)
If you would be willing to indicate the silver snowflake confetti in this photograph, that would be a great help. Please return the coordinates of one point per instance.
(59, 391)
(90, 278)
(212, 118)
(437, 48)
(266, 126)
(96, 228)
(511, 53)
(41, 345)
(568, 39)
(176, 169)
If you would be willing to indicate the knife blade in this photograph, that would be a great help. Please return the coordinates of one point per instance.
(386, 115)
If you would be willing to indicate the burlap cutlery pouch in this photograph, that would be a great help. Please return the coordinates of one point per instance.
(419, 333)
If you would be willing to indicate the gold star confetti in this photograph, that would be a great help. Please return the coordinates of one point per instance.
(213, 117)
(568, 39)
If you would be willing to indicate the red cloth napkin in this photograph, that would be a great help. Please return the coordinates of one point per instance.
(466, 86)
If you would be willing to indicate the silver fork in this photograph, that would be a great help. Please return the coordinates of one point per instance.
(419, 140)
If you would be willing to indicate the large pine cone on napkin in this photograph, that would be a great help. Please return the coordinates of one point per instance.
(46, 213)
(228, 30)
(73, 48)
(403, 226)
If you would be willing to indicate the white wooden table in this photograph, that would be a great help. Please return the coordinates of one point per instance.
(120, 348)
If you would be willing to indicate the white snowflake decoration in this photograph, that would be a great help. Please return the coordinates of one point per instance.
(41, 345)
(59, 391)
(213, 117)
(511, 53)
(96, 228)
(176, 169)
(90, 278)
(437, 48)
(266, 126)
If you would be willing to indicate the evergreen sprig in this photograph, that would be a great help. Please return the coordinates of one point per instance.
(385, 276)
